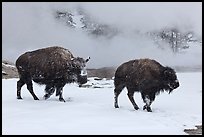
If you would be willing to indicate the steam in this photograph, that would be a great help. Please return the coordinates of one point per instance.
(148, 16)
(29, 26)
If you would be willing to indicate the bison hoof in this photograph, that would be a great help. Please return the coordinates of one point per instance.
(149, 109)
(36, 98)
(136, 107)
(62, 100)
(116, 105)
(145, 107)
(19, 97)
(46, 96)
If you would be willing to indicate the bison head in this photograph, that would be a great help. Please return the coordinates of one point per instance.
(170, 79)
(79, 66)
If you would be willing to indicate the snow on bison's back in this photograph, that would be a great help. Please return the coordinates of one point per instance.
(52, 66)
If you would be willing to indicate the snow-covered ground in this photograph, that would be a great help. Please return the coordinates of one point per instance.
(89, 110)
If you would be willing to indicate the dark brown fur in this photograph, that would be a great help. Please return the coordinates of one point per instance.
(52, 66)
(145, 76)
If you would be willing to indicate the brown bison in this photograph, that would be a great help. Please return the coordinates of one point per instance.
(53, 66)
(145, 76)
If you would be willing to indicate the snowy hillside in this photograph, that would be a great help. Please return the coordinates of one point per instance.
(89, 110)
(80, 20)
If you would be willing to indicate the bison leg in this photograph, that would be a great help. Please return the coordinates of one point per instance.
(30, 88)
(49, 90)
(131, 98)
(148, 99)
(117, 92)
(20, 83)
(59, 92)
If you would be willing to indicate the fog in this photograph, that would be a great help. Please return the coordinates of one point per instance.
(29, 26)
(149, 16)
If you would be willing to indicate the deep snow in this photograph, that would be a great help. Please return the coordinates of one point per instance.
(91, 111)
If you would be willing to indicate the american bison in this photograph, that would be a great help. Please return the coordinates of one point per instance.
(53, 67)
(146, 76)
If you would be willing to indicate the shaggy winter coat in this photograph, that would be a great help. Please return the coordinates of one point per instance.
(146, 76)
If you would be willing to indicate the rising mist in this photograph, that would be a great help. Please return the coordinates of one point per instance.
(29, 26)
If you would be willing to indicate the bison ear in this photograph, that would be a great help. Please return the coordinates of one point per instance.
(165, 72)
(87, 59)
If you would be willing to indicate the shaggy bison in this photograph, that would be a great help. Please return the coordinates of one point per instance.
(145, 76)
(53, 67)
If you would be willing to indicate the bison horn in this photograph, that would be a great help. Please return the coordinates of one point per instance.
(87, 59)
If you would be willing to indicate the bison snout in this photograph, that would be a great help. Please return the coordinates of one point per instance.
(176, 84)
(82, 79)
(83, 72)
(173, 85)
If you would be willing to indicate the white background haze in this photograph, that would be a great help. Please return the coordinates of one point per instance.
(29, 26)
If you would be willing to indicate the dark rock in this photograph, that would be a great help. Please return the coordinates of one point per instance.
(9, 70)
(197, 131)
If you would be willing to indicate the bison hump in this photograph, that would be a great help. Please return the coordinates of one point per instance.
(149, 64)
(51, 54)
(51, 58)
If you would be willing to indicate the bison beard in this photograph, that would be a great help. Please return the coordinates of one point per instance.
(53, 66)
(145, 76)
